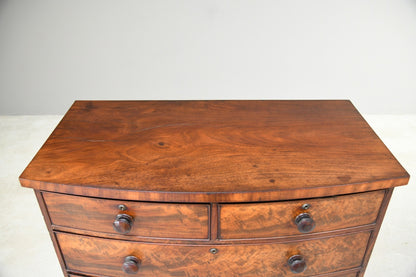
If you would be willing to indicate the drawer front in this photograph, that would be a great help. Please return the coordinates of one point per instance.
(154, 220)
(220, 274)
(106, 256)
(263, 220)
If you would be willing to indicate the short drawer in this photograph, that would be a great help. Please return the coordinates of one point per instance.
(93, 255)
(274, 219)
(153, 220)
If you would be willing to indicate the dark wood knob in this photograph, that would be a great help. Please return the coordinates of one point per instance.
(297, 264)
(123, 223)
(305, 223)
(131, 265)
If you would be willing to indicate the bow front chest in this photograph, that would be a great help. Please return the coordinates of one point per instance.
(213, 188)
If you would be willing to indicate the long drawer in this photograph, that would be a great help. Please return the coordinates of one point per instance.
(92, 255)
(153, 220)
(274, 219)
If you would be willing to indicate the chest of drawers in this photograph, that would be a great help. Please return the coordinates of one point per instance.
(213, 188)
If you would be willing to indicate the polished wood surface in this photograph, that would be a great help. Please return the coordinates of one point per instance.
(106, 256)
(339, 274)
(262, 220)
(52, 234)
(213, 188)
(347, 273)
(374, 234)
(213, 151)
(163, 220)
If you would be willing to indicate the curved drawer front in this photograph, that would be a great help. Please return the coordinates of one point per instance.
(274, 219)
(154, 220)
(93, 255)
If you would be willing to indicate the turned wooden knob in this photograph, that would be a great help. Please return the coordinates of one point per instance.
(123, 223)
(297, 264)
(305, 223)
(131, 265)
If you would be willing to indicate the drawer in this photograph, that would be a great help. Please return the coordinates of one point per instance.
(219, 274)
(106, 256)
(153, 220)
(274, 219)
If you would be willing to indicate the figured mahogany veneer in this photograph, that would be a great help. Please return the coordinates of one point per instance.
(213, 188)
(273, 219)
(213, 151)
(321, 256)
(159, 220)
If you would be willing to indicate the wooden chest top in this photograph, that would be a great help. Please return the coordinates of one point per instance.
(213, 151)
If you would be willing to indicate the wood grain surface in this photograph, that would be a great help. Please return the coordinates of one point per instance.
(90, 254)
(52, 234)
(374, 234)
(213, 151)
(159, 220)
(274, 219)
(347, 273)
(341, 275)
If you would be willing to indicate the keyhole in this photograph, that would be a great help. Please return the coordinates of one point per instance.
(306, 206)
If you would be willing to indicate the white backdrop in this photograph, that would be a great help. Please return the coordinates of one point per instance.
(53, 52)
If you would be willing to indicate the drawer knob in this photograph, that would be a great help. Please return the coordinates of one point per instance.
(131, 265)
(123, 223)
(297, 264)
(305, 223)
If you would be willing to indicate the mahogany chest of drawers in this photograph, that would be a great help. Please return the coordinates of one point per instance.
(213, 188)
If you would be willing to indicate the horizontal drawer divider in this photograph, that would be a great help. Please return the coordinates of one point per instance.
(340, 273)
(76, 273)
(301, 237)
(120, 237)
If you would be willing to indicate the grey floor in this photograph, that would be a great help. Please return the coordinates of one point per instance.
(26, 249)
